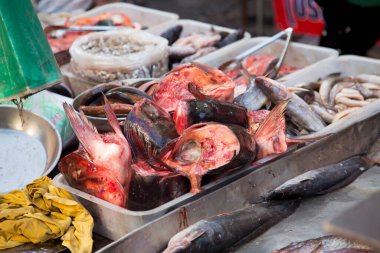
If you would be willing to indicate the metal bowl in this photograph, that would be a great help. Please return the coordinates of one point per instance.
(101, 123)
(28, 149)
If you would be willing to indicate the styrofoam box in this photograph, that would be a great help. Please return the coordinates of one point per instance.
(299, 55)
(192, 26)
(145, 16)
(346, 65)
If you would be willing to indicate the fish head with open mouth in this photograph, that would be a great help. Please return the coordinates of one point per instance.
(208, 147)
(191, 81)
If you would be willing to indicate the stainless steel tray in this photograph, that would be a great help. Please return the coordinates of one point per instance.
(249, 184)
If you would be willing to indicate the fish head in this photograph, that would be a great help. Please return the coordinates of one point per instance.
(81, 173)
(274, 90)
(110, 150)
(202, 148)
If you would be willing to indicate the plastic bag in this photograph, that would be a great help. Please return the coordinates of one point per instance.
(119, 54)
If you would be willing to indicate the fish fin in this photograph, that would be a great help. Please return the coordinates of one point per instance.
(159, 165)
(111, 116)
(270, 124)
(82, 128)
(141, 148)
(193, 89)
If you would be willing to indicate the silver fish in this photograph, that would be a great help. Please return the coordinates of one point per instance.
(298, 110)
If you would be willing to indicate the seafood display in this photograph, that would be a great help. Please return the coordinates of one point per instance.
(105, 19)
(119, 54)
(327, 244)
(187, 48)
(222, 231)
(336, 96)
(188, 129)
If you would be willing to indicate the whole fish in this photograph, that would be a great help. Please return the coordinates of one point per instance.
(222, 231)
(298, 110)
(322, 180)
(191, 112)
(209, 148)
(205, 81)
(321, 245)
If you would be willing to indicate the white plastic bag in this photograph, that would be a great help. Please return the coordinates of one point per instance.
(119, 54)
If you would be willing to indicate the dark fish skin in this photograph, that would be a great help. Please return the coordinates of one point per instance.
(231, 38)
(148, 128)
(172, 34)
(222, 231)
(298, 110)
(322, 245)
(150, 187)
(322, 180)
(196, 111)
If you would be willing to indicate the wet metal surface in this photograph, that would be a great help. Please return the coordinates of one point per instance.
(306, 223)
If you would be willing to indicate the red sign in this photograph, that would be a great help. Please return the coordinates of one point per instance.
(304, 16)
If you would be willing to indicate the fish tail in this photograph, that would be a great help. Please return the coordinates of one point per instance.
(111, 116)
(83, 129)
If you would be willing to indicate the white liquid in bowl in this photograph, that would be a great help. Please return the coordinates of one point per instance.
(22, 159)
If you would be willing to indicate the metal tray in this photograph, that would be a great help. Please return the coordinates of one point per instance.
(250, 183)
(299, 55)
(346, 65)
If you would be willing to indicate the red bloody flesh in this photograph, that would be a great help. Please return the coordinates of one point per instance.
(259, 64)
(180, 117)
(201, 148)
(255, 118)
(210, 82)
(82, 174)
